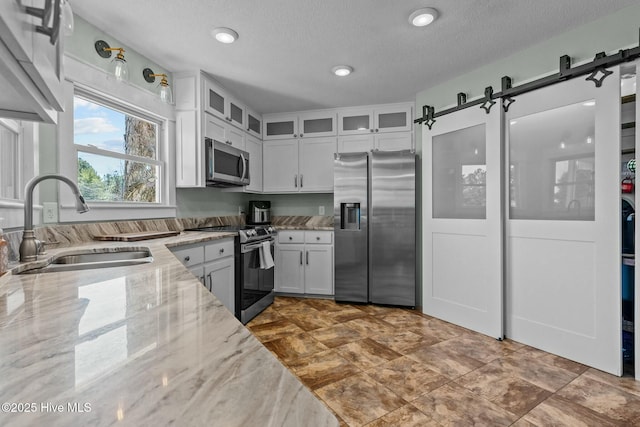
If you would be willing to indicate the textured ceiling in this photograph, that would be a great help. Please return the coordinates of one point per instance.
(283, 58)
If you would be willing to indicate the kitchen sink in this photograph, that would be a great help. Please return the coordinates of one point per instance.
(94, 258)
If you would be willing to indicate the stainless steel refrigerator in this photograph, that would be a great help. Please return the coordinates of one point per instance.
(375, 227)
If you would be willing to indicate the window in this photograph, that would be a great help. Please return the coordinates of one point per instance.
(116, 153)
(459, 174)
(9, 177)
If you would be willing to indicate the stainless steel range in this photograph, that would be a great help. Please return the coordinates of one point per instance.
(254, 268)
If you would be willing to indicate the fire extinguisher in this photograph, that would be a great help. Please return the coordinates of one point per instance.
(627, 185)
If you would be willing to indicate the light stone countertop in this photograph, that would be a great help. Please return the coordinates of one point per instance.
(138, 345)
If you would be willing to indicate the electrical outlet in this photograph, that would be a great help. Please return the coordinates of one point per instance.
(320, 210)
(50, 212)
(240, 210)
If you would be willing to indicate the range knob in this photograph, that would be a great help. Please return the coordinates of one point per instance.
(270, 229)
(252, 232)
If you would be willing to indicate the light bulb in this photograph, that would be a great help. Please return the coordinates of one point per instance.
(119, 69)
(166, 95)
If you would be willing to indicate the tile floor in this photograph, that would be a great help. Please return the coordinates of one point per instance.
(380, 366)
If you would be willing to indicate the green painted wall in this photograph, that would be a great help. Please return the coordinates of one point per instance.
(607, 34)
(81, 46)
(198, 202)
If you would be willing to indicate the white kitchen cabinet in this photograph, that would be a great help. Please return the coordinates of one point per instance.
(299, 165)
(289, 268)
(301, 125)
(253, 122)
(223, 132)
(189, 151)
(315, 169)
(316, 124)
(31, 75)
(204, 109)
(304, 262)
(221, 104)
(219, 279)
(213, 264)
(280, 126)
(391, 141)
(280, 165)
(375, 119)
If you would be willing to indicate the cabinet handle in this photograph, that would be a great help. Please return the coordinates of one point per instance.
(317, 237)
(295, 180)
(187, 258)
(371, 130)
(221, 250)
(301, 181)
(295, 136)
(300, 257)
(307, 257)
(301, 135)
(210, 282)
(376, 130)
(290, 238)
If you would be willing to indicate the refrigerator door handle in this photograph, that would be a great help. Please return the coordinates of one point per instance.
(300, 257)
(307, 257)
(295, 180)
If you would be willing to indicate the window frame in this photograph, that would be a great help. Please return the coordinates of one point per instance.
(140, 104)
(123, 156)
(12, 209)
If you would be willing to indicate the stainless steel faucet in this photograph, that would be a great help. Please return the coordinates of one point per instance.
(30, 247)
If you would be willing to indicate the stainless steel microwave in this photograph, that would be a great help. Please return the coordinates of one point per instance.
(226, 166)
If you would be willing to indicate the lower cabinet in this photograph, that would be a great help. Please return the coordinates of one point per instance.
(213, 264)
(304, 262)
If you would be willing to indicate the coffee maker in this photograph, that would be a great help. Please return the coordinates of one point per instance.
(259, 212)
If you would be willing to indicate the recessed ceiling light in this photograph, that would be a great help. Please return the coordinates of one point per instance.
(423, 17)
(224, 35)
(589, 103)
(342, 70)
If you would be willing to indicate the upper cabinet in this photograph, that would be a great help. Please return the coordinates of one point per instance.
(384, 118)
(222, 105)
(301, 125)
(253, 122)
(31, 76)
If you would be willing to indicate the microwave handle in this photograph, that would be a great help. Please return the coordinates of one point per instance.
(244, 166)
(209, 160)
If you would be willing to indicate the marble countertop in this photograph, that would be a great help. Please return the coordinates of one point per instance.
(138, 345)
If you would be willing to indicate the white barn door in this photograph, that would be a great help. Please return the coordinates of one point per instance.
(462, 220)
(563, 221)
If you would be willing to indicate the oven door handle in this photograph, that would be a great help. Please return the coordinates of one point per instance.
(248, 248)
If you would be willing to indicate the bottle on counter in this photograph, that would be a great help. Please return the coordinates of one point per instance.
(4, 253)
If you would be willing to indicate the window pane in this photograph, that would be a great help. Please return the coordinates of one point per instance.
(112, 130)
(552, 171)
(9, 157)
(459, 174)
(103, 178)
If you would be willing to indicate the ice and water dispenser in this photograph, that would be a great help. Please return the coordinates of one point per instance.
(350, 216)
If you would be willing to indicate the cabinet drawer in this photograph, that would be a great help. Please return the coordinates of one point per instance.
(189, 255)
(219, 249)
(320, 237)
(290, 236)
